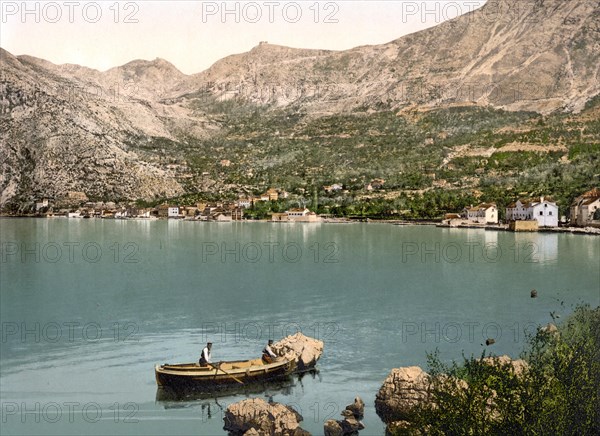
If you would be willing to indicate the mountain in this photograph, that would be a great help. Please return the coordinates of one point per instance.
(539, 55)
(70, 128)
(145, 130)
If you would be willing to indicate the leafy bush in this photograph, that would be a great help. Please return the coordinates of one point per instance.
(558, 392)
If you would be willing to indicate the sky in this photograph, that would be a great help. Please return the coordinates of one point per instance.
(194, 34)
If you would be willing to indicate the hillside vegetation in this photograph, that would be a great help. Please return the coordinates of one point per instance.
(432, 161)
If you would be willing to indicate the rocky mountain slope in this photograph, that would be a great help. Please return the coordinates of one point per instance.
(145, 130)
(538, 55)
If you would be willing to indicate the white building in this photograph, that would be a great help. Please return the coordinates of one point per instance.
(298, 213)
(244, 202)
(485, 213)
(41, 204)
(545, 212)
(173, 212)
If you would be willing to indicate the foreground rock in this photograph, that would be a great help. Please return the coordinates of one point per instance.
(349, 426)
(408, 387)
(304, 350)
(333, 428)
(256, 417)
(357, 408)
(403, 389)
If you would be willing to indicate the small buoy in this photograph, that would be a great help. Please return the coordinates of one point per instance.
(533, 293)
(489, 342)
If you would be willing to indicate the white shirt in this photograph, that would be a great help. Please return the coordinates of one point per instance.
(270, 352)
(206, 355)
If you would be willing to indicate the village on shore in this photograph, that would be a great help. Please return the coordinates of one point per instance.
(530, 215)
(522, 215)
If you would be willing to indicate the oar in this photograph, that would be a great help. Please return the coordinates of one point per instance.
(230, 375)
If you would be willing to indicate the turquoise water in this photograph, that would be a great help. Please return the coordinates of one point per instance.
(88, 307)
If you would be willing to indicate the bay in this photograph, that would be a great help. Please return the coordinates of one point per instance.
(88, 307)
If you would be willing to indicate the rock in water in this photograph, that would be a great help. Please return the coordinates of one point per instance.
(258, 418)
(533, 293)
(357, 408)
(332, 428)
(403, 389)
(304, 350)
(349, 426)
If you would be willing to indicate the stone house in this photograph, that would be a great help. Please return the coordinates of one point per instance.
(585, 209)
(484, 213)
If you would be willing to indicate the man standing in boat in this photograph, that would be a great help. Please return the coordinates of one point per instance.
(205, 358)
(267, 354)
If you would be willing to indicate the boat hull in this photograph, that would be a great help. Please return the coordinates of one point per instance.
(228, 374)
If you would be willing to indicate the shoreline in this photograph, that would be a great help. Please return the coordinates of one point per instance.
(504, 228)
(497, 227)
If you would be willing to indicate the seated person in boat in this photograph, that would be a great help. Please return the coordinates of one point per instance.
(267, 354)
(205, 358)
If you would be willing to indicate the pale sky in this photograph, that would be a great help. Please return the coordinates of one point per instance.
(194, 34)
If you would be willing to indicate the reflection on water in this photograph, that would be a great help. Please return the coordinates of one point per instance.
(177, 398)
(535, 248)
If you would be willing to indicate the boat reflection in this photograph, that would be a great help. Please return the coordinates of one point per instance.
(180, 398)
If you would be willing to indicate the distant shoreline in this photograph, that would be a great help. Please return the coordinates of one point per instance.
(496, 227)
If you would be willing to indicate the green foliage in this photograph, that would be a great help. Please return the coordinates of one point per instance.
(259, 210)
(431, 160)
(558, 392)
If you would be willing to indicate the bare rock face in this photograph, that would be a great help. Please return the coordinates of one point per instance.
(403, 389)
(515, 54)
(256, 417)
(304, 350)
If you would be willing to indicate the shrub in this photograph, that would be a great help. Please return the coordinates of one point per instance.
(558, 392)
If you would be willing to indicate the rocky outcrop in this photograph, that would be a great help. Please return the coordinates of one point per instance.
(402, 390)
(518, 365)
(256, 417)
(304, 350)
(406, 388)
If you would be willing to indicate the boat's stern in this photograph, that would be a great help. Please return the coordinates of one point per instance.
(157, 371)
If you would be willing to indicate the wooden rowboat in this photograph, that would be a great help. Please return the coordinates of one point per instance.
(191, 376)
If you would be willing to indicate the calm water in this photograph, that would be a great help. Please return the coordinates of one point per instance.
(89, 306)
